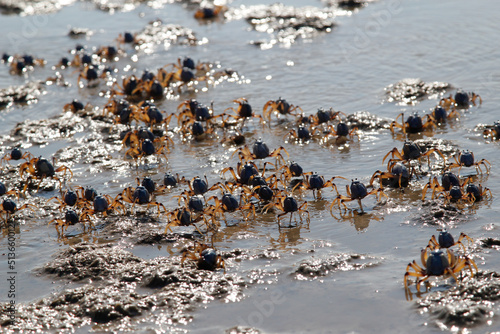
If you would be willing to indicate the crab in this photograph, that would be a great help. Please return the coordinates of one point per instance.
(492, 131)
(86, 195)
(244, 172)
(81, 60)
(436, 263)
(195, 203)
(129, 87)
(465, 158)
(302, 134)
(206, 13)
(68, 198)
(413, 123)
(233, 138)
(293, 169)
(205, 256)
(40, 168)
(115, 107)
(397, 176)
(187, 109)
(280, 106)
(18, 67)
(147, 148)
(259, 187)
(4, 191)
(229, 203)
(263, 192)
(128, 38)
(192, 110)
(75, 106)
(71, 217)
(410, 151)
(8, 208)
(127, 115)
(102, 204)
(446, 240)
(260, 150)
(170, 180)
(151, 89)
(189, 63)
(324, 116)
(315, 182)
(477, 192)
(461, 99)
(243, 112)
(196, 131)
(288, 205)
(198, 186)
(139, 195)
(108, 52)
(341, 132)
(63, 63)
(151, 115)
(132, 138)
(183, 217)
(356, 191)
(90, 74)
(183, 76)
(16, 154)
(440, 115)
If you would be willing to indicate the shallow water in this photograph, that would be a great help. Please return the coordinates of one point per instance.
(346, 69)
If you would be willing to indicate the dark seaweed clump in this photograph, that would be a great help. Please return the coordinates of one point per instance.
(490, 243)
(411, 91)
(29, 7)
(438, 213)
(365, 121)
(156, 32)
(20, 94)
(467, 304)
(314, 268)
(287, 23)
(242, 330)
(121, 287)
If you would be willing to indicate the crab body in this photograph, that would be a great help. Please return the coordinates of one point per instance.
(199, 186)
(70, 198)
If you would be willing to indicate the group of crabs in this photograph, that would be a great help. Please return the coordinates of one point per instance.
(259, 190)
(95, 64)
(438, 258)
